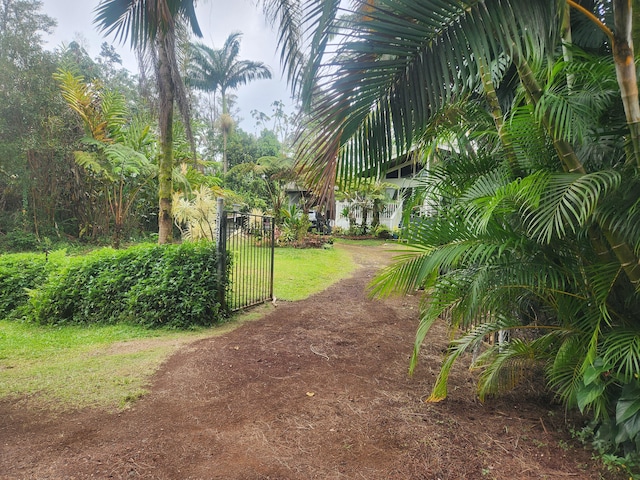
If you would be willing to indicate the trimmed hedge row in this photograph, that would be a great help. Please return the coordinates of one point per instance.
(173, 286)
(21, 272)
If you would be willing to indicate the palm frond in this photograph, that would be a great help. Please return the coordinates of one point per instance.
(385, 87)
(572, 107)
(565, 371)
(507, 365)
(567, 202)
(405, 275)
(621, 350)
(91, 161)
(461, 345)
(140, 21)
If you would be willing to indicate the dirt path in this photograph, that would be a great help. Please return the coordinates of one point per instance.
(315, 390)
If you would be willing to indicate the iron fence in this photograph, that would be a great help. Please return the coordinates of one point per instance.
(246, 243)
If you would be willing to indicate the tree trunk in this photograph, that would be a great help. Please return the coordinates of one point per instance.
(497, 115)
(225, 123)
(626, 70)
(165, 184)
(225, 163)
(377, 209)
(365, 218)
(622, 45)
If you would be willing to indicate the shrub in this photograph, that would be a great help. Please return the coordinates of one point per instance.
(19, 241)
(21, 272)
(181, 290)
(310, 240)
(172, 286)
(382, 232)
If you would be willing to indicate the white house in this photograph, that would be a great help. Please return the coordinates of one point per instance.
(403, 174)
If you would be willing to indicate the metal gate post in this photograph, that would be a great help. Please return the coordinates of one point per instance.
(221, 250)
(273, 251)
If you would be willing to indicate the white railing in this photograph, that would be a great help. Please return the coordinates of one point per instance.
(389, 217)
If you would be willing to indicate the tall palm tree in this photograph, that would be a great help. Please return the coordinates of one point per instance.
(213, 70)
(151, 25)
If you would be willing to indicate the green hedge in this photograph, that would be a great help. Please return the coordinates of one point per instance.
(21, 272)
(172, 286)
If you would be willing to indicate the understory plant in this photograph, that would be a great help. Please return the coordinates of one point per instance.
(295, 224)
(520, 251)
(196, 214)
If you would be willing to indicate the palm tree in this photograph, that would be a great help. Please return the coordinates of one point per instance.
(151, 26)
(213, 70)
(535, 226)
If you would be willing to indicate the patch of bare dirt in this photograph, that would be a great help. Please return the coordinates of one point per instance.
(317, 389)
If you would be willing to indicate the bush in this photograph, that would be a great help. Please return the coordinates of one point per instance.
(310, 240)
(382, 232)
(172, 286)
(19, 241)
(181, 290)
(21, 272)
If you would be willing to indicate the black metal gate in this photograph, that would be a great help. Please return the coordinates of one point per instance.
(247, 243)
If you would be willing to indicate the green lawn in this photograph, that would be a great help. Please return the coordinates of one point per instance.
(299, 273)
(71, 367)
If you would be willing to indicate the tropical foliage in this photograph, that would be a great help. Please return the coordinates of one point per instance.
(78, 174)
(169, 286)
(117, 148)
(527, 110)
(196, 215)
(365, 197)
(151, 27)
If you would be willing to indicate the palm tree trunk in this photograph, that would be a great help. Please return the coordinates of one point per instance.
(225, 121)
(165, 185)
(365, 218)
(497, 115)
(626, 69)
(564, 150)
(566, 41)
(225, 163)
(622, 44)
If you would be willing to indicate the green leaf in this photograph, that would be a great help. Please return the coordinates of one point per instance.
(587, 394)
(629, 403)
(594, 371)
(629, 429)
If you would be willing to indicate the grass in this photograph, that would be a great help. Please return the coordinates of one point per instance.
(109, 367)
(75, 367)
(369, 242)
(299, 273)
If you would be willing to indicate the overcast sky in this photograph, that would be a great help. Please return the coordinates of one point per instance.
(217, 19)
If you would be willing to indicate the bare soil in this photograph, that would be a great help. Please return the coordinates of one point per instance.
(317, 389)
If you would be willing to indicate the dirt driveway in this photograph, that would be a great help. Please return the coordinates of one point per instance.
(317, 389)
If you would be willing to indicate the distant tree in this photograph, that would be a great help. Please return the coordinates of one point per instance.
(276, 172)
(37, 184)
(280, 123)
(222, 70)
(242, 147)
(268, 144)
